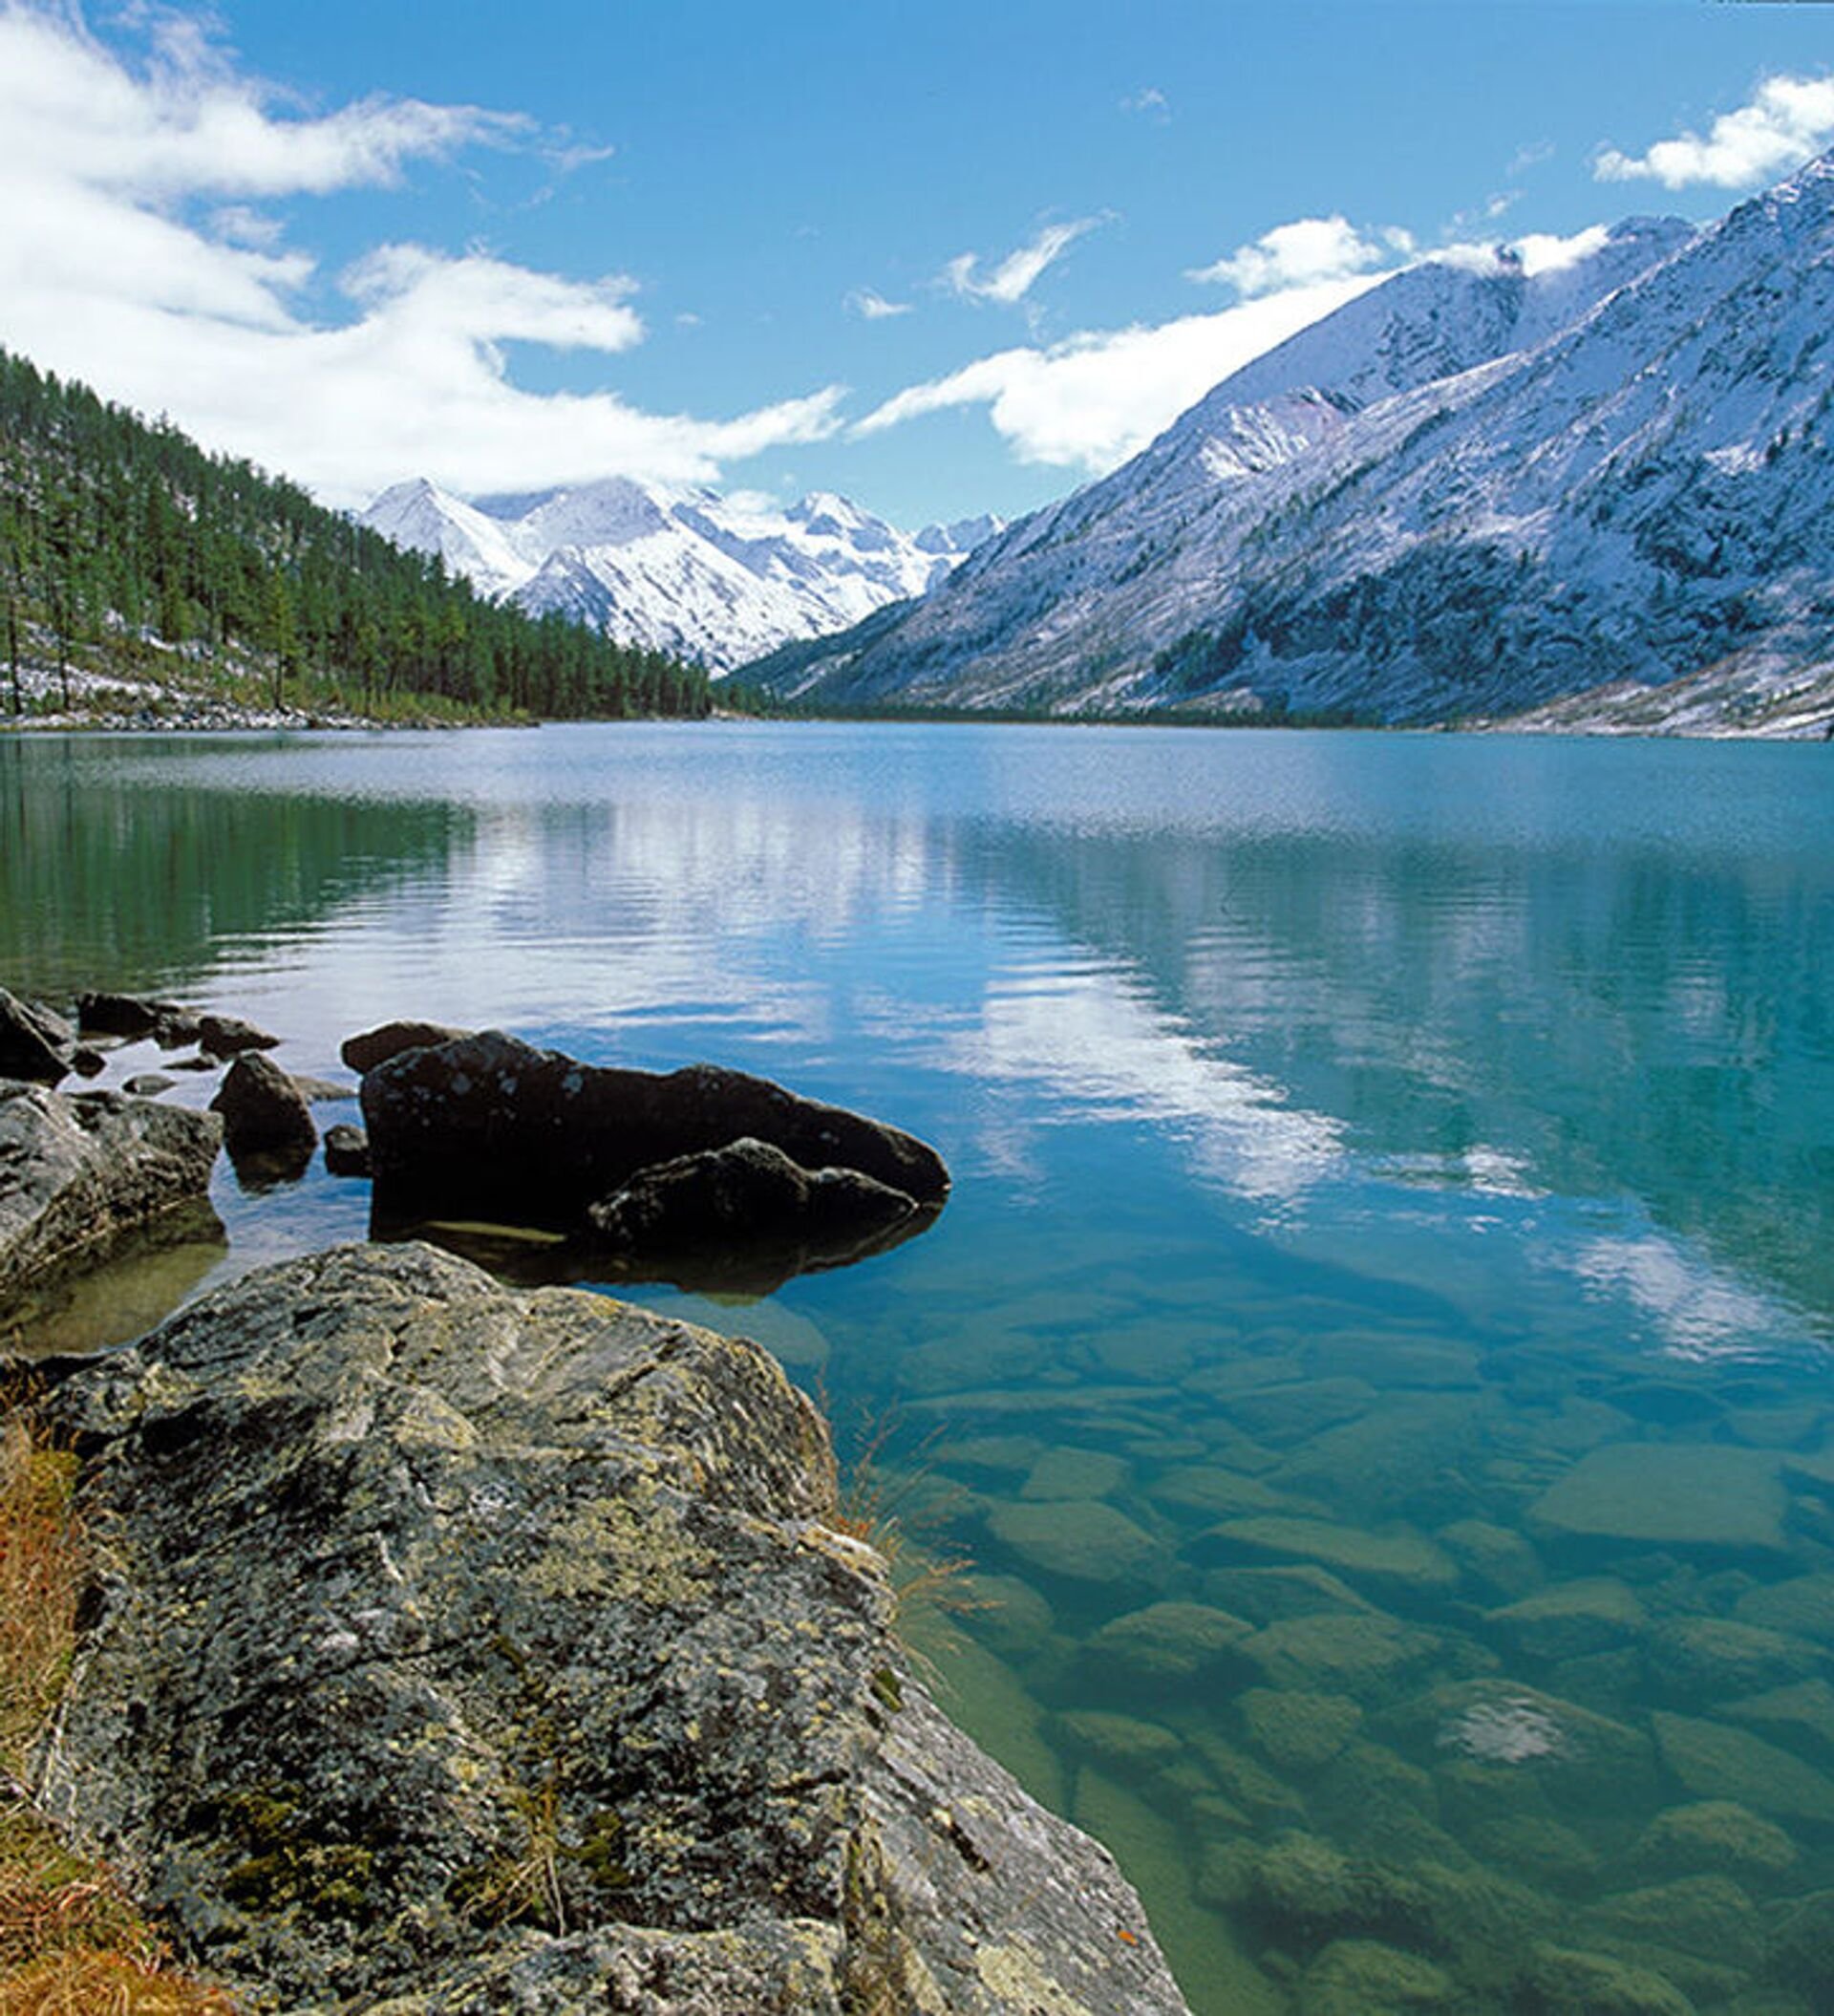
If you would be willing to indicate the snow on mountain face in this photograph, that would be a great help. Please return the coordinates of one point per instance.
(1469, 492)
(721, 579)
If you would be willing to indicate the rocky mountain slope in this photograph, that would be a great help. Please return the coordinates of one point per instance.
(1468, 493)
(710, 578)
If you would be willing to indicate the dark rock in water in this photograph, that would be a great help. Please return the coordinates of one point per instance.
(469, 1650)
(347, 1150)
(264, 1117)
(363, 1052)
(149, 1084)
(194, 1063)
(36, 1045)
(490, 1128)
(752, 1209)
(228, 1036)
(173, 1030)
(77, 1172)
(88, 1062)
(128, 1015)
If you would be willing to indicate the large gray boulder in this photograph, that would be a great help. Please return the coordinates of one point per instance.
(78, 1172)
(490, 1128)
(36, 1045)
(468, 1650)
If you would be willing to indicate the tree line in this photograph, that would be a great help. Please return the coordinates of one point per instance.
(122, 542)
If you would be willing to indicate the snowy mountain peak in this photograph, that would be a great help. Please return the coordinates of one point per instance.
(680, 570)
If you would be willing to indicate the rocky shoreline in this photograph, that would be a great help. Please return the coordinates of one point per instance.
(458, 1648)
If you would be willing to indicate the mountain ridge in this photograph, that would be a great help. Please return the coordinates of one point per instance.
(679, 570)
(1632, 495)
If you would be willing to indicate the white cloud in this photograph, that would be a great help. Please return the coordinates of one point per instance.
(139, 249)
(1536, 252)
(1093, 400)
(872, 306)
(1789, 119)
(1150, 101)
(1303, 253)
(1013, 279)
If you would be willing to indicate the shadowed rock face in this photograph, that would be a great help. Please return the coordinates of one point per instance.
(471, 1650)
(491, 1127)
(78, 1172)
(34, 1044)
(266, 1118)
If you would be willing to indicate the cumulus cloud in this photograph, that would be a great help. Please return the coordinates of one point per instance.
(872, 306)
(143, 248)
(1089, 402)
(1788, 120)
(1304, 253)
(1535, 252)
(1013, 279)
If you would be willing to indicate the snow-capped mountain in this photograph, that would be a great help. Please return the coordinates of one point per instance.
(720, 579)
(1474, 489)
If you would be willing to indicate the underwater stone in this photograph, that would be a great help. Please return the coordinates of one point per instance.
(1074, 1473)
(1360, 1977)
(1708, 1917)
(1298, 1731)
(1572, 1618)
(1802, 1715)
(1080, 1539)
(1494, 1556)
(1363, 1654)
(1128, 1744)
(1217, 1492)
(1716, 1835)
(1714, 1762)
(1670, 1495)
(1712, 1656)
(1400, 1558)
(1267, 1594)
(1804, 1604)
(1168, 1641)
(1306, 1408)
(1560, 1981)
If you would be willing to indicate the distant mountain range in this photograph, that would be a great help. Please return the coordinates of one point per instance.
(1478, 489)
(704, 577)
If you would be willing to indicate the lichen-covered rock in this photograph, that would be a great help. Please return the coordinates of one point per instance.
(370, 1047)
(491, 1127)
(464, 1649)
(35, 1045)
(264, 1116)
(79, 1171)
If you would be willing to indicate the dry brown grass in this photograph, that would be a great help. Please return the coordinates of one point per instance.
(71, 1944)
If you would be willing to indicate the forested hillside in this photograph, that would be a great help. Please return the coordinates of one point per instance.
(125, 550)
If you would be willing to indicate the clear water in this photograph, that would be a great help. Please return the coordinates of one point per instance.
(1375, 1355)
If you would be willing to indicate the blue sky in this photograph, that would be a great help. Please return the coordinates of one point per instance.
(944, 259)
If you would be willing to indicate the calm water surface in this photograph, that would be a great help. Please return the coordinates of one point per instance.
(1376, 1356)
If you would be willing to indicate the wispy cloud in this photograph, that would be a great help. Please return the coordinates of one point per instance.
(1014, 278)
(144, 246)
(1149, 101)
(1304, 253)
(1093, 400)
(1787, 120)
(872, 306)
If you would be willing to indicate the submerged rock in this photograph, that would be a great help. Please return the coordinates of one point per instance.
(78, 1172)
(36, 1045)
(265, 1117)
(532, 1677)
(1670, 1495)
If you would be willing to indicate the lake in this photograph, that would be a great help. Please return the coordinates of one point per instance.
(1372, 1373)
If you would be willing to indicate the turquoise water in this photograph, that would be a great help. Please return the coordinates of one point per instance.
(1375, 1360)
